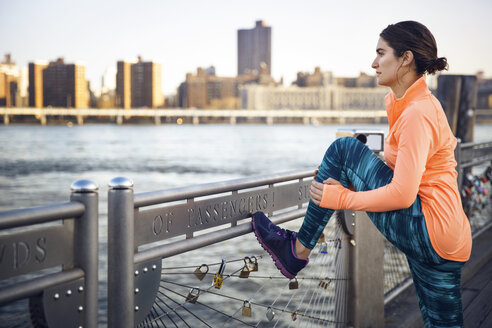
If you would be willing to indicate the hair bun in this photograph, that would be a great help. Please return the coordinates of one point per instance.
(437, 64)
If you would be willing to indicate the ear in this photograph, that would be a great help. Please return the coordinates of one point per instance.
(407, 58)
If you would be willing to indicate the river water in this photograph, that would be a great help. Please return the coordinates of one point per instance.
(38, 163)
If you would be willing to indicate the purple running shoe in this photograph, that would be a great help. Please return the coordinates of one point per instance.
(280, 244)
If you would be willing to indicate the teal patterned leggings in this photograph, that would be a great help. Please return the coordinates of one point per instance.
(437, 280)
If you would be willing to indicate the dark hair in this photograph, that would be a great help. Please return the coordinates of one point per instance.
(415, 37)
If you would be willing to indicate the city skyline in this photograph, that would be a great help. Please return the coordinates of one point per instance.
(182, 36)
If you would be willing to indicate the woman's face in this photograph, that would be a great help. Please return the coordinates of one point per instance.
(386, 64)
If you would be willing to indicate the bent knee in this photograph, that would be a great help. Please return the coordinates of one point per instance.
(343, 144)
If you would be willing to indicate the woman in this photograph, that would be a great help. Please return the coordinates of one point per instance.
(413, 199)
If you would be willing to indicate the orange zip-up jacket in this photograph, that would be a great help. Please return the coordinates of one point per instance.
(420, 150)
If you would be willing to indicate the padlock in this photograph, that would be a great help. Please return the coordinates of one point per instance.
(323, 248)
(324, 284)
(244, 272)
(218, 280)
(322, 238)
(488, 173)
(247, 312)
(352, 242)
(253, 264)
(270, 314)
(193, 295)
(199, 273)
(293, 315)
(248, 264)
(219, 276)
(294, 284)
(338, 243)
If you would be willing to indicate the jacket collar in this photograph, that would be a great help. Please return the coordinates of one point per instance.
(394, 106)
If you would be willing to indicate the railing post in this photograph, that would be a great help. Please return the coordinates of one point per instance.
(366, 267)
(120, 253)
(342, 263)
(86, 244)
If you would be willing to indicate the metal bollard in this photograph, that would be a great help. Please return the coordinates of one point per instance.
(366, 270)
(120, 253)
(86, 244)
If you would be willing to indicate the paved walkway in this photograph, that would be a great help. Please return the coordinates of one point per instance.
(403, 312)
(477, 298)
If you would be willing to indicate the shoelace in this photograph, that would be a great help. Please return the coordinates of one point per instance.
(281, 232)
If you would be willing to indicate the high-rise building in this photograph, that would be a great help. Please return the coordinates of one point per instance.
(9, 77)
(78, 86)
(8, 89)
(138, 84)
(55, 84)
(254, 49)
(108, 80)
(36, 84)
(64, 85)
(123, 84)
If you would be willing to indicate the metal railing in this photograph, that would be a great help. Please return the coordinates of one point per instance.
(35, 243)
(475, 175)
(472, 154)
(181, 214)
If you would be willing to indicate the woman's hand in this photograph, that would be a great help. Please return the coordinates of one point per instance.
(316, 190)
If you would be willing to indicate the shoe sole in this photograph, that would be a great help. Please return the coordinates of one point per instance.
(276, 260)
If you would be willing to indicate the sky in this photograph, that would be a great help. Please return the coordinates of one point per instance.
(337, 35)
